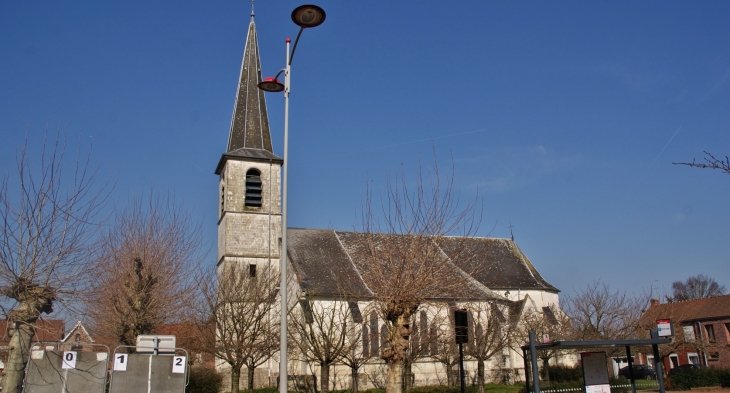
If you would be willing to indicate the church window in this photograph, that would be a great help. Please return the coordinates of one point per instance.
(252, 270)
(223, 199)
(355, 312)
(383, 338)
(374, 339)
(365, 342)
(253, 188)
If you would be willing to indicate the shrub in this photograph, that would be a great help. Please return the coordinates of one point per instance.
(693, 378)
(204, 380)
(564, 373)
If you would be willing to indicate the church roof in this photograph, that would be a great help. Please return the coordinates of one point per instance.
(327, 263)
(250, 122)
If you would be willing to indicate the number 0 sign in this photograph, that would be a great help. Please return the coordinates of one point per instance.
(69, 360)
(178, 364)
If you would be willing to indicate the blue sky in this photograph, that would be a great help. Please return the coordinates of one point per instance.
(565, 116)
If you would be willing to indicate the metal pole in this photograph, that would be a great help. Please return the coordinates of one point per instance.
(533, 358)
(283, 376)
(631, 369)
(658, 363)
(461, 366)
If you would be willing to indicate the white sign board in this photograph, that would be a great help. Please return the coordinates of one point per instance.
(165, 344)
(178, 364)
(598, 389)
(664, 327)
(120, 362)
(594, 368)
(69, 360)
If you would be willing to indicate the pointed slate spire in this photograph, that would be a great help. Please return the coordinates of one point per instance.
(250, 122)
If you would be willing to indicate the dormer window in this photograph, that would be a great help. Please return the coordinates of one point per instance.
(253, 188)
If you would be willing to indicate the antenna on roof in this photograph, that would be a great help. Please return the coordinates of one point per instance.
(510, 232)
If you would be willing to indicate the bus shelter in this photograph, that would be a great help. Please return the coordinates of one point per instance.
(533, 347)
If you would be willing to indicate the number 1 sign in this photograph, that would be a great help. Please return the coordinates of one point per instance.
(120, 362)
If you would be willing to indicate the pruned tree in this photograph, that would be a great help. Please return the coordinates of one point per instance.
(547, 320)
(419, 345)
(236, 314)
(322, 332)
(402, 257)
(490, 333)
(695, 287)
(710, 162)
(49, 211)
(142, 273)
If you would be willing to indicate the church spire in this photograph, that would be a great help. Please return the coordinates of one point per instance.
(250, 122)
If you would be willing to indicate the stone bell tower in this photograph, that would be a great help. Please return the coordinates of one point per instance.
(249, 212)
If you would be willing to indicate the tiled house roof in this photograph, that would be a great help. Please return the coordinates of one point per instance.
(717, 307)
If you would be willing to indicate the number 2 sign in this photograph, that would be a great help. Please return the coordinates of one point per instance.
(178, 364)
(69, 360)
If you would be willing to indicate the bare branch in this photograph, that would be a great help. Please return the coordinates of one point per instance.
(711, 162)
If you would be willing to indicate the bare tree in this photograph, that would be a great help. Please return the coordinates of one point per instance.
(695, 287)
(48, 212)
(711, 162)
(358, 351)
(490, 330)
(549, 321)
(600, 313)
(447, 350)
(402, 258)
(237, 317)
(322, 331)
(142, 274)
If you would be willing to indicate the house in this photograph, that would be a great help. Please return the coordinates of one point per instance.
(77, 339)
(324, 266)
(49, 331)
(701, 331)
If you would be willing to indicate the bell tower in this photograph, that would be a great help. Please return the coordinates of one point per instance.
(249, 206)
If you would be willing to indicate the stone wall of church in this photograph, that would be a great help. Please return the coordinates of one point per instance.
(234, 182)
(248, 235)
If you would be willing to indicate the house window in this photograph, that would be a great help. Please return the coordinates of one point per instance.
(650, 361)
(253, 188)
(714, 356)
(77, 338)
(693, 358)
(710, 329)
(673, 361)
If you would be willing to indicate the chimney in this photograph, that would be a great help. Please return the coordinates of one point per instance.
(654, 302)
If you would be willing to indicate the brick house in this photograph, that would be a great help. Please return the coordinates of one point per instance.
(47, 330)
(701, 331)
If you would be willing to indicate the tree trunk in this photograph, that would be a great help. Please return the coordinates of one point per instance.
(354, 387)
(480, 375)
(407, 376)
(394, 384)
(546, 369)
(250, 378)
(235, 379)
(324, 377)
(18, 349)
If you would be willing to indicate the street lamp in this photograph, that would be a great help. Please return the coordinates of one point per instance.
(305, 16)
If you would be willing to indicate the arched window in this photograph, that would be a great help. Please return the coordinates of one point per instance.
(365, 342)
(383, 338)
(253, 188)
(374, 339)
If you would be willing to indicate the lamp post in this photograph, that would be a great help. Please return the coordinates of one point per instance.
(304, 16)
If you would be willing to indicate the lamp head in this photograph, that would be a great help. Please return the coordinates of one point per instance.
(308, 15)
(271, 85)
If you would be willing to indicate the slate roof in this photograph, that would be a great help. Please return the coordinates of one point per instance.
(717, 307)
(329, 263)
(250, 122)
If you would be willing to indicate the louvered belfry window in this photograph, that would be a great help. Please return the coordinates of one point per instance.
(253, 188)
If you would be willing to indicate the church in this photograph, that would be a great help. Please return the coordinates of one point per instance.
(323, 266)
